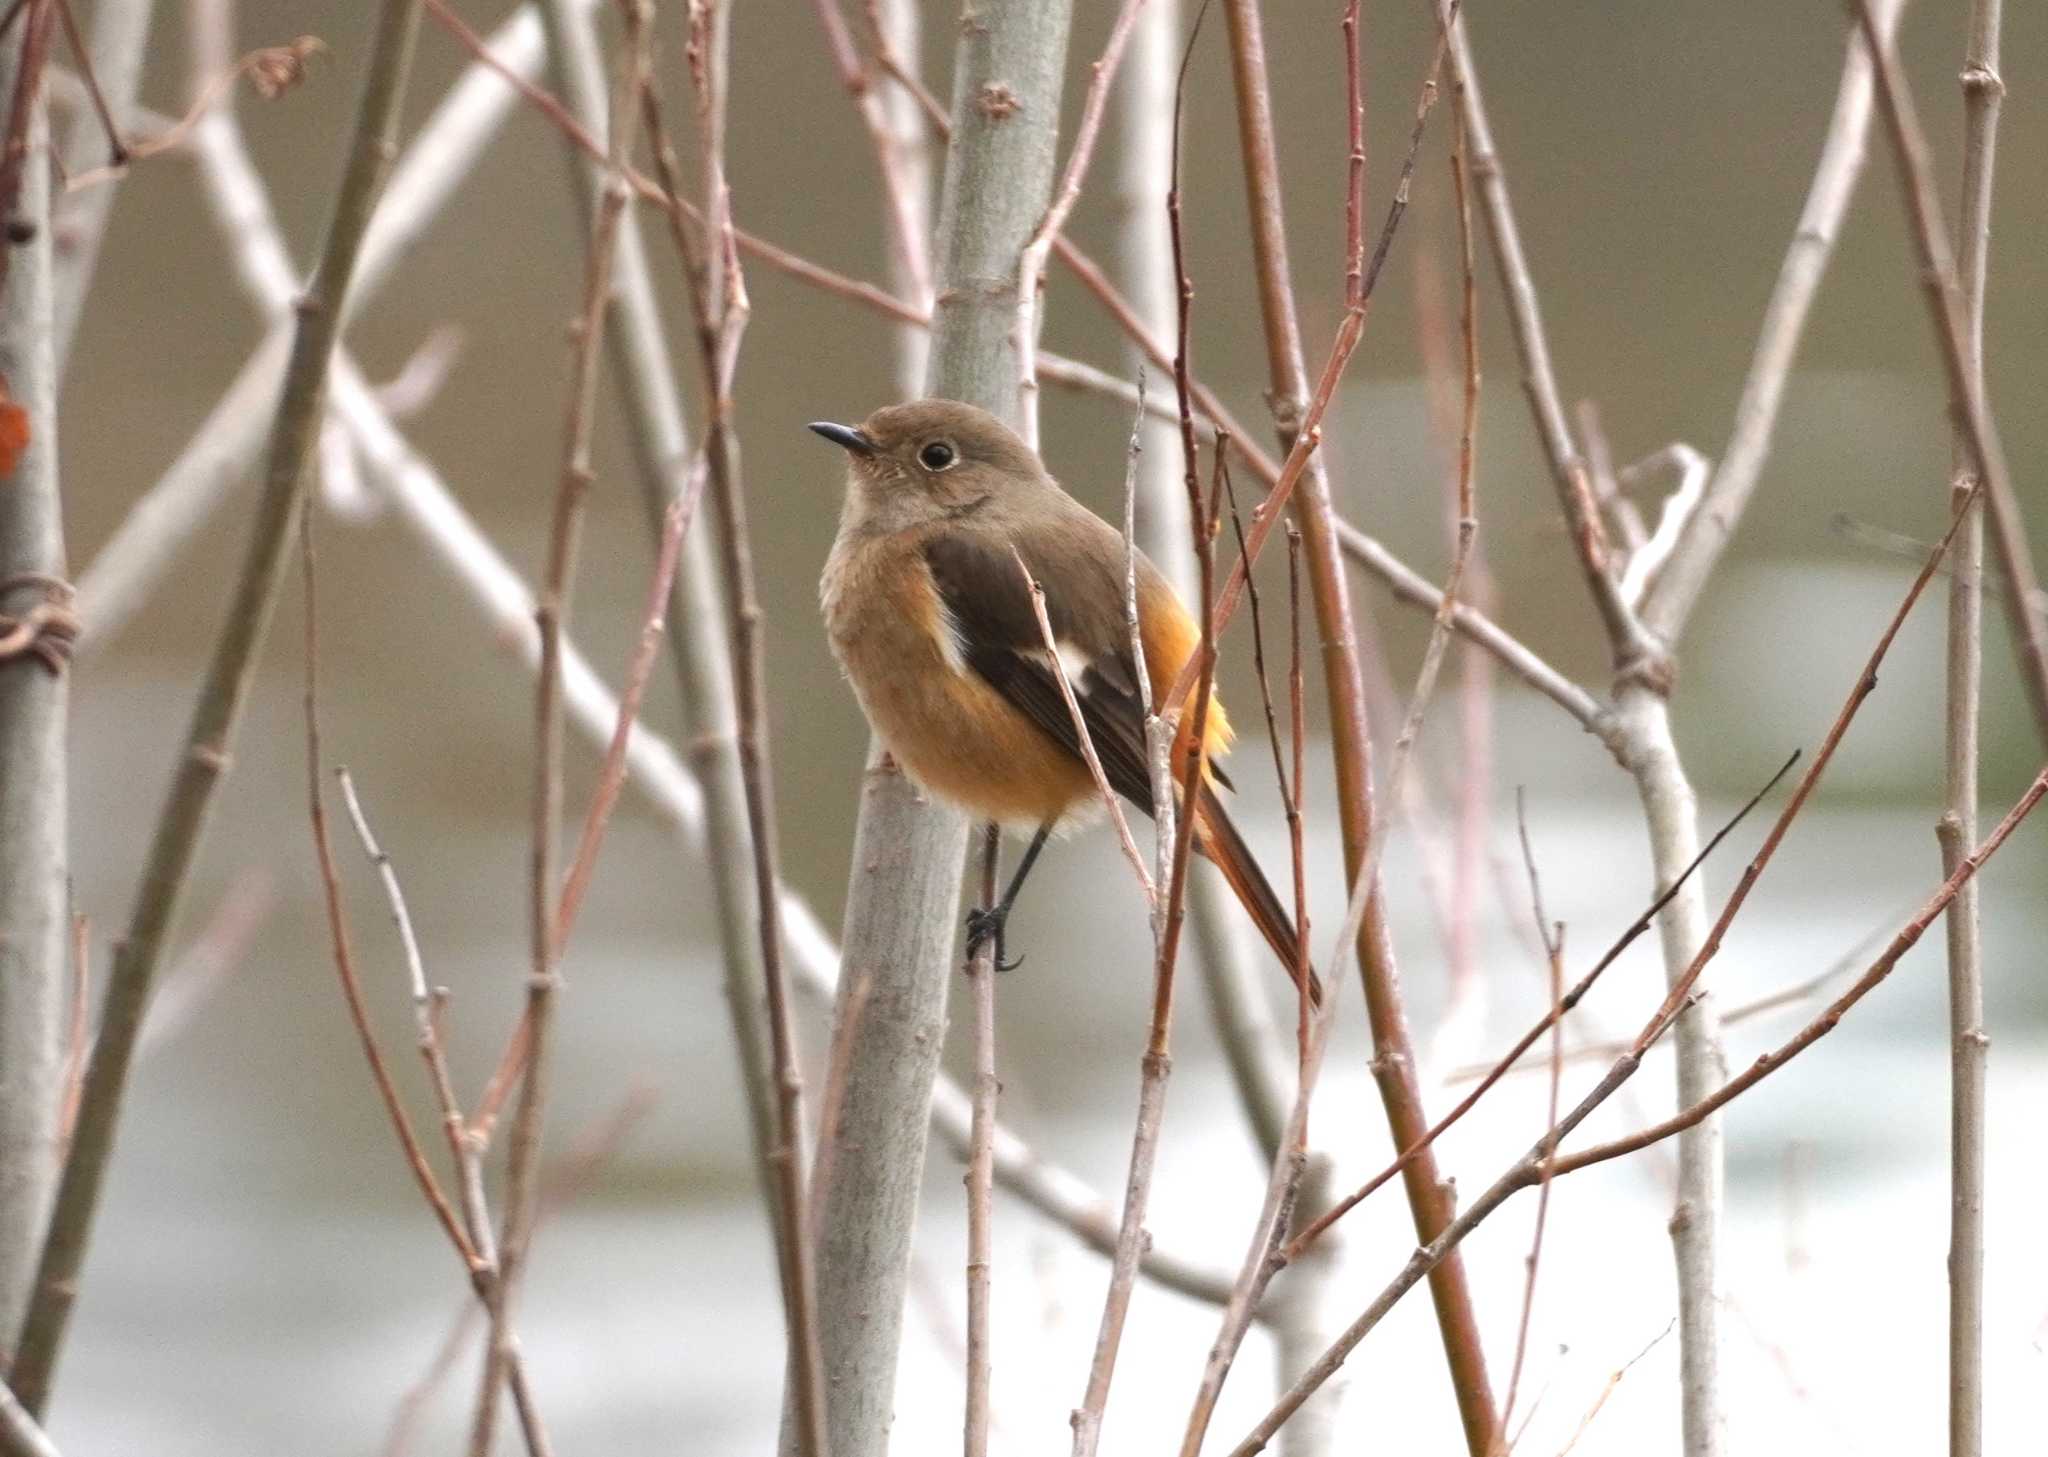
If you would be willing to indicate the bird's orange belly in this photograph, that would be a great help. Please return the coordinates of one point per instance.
(951, 732)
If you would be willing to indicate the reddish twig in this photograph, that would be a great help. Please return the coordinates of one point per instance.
(337, 927)
(550, 617)
(611, 776)
(1528, 1170)
(981, 1154)
(716, 288)
(1298, 411)
(1528, 1039)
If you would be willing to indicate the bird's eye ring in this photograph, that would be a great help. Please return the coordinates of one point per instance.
(936, 455)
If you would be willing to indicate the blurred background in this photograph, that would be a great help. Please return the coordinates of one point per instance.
(265, 1278)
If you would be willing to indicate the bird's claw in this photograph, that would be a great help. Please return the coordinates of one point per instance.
(985, 924)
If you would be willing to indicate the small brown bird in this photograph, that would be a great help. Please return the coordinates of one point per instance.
(933, 623)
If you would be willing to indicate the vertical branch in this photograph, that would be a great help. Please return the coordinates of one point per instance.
(981, 976)
(551, 614)
(699, 645)
(1429, 1197)
(1677, 587)
(907, 854)
(2027, 606)
(906, 137)
(34, 711)
(1983, 91)
(1226, 956)
(718, 299)
(1636, 652)
(225, 691)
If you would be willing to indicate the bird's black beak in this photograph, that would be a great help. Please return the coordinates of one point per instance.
(844, 435)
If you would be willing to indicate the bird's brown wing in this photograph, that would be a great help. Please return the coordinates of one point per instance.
(990, 613)
(988, 605)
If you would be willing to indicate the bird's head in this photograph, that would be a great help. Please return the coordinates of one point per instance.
(930, 460)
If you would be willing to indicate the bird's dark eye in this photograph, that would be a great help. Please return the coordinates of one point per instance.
(936, 456)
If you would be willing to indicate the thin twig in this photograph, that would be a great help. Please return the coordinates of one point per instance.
(1635, 651)
(904, 211)
(465, 1146)
(1298, 412)
(1174, 841)
(1087, 742)
(1807, 256)
(1552, 936)
(719, 305)
(981, 979)
(1967, 400)
(275, 69)
(1528, 1170)
(118, 50)
(611, 774)
(337, 927)
(551, 612)
(1528, 1039)
(1969, 1118)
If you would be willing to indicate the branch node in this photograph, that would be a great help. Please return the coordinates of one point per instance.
(998, 101)
(1982, 81)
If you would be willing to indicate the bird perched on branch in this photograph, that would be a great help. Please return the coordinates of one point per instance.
(932, 619)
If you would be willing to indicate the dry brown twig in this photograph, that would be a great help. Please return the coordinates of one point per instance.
(343, 953)
(466, 1145)
(611, 774)
(981, 980)
(561, 1182)
(1939, 281)
(271, 70)
(551, 613)
(718, 299)
(906, 223)
(1529, 1169)
(1552, 935)
(1299, 410)
(1174, 815)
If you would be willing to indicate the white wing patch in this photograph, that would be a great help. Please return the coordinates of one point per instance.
(952, 644)
(1074, 661)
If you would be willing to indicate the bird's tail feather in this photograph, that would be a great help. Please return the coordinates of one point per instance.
(1219, 840)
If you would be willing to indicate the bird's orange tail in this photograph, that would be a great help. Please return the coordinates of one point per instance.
(1218, 839)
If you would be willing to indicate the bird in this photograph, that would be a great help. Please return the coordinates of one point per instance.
(931, 618)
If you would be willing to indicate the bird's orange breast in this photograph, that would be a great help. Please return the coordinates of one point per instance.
(950, 730)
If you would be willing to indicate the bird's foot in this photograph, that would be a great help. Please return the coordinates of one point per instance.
(985, 924)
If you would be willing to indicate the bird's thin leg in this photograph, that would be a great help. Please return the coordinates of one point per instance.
(985, 923)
